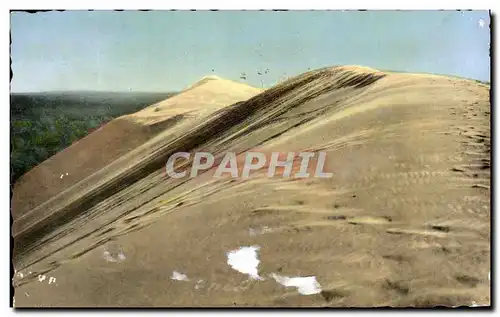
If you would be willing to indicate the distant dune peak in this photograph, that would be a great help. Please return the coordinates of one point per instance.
(216, 82)
(205, 80)
(208, 78)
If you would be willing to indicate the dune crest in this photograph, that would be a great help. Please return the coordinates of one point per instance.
(204, 80)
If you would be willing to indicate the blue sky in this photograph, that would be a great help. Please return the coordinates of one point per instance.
(169, 50)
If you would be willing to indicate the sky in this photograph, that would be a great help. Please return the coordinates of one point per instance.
(162, 51)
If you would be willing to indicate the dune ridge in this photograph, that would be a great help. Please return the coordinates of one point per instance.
(301, 89)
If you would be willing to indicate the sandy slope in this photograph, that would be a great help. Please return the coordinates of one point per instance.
(209, 94)
(405, 220)
(123, 142)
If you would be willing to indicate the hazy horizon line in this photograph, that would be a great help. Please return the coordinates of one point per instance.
(180, 90)
(92, 91)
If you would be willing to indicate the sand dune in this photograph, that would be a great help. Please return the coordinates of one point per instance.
(114, 147)
(405, 220)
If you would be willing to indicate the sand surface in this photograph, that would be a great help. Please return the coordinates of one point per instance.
(404, 221)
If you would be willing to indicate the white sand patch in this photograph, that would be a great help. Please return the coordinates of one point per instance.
(114, 256)
(179, 276)
(305, 285)
(258, 231)
(42, 278)
(244, 260)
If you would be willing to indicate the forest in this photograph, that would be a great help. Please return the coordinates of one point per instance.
(42, 124)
